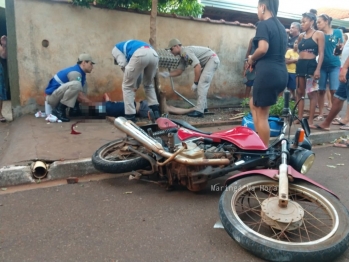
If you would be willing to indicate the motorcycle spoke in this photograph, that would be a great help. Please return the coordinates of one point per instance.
(316, 223)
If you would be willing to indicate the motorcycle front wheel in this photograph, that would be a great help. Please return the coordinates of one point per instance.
(114, 157)
(320, 234)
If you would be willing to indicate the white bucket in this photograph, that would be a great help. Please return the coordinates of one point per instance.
(48, 108)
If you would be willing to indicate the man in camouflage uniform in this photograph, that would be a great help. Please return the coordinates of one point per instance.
(205, 63)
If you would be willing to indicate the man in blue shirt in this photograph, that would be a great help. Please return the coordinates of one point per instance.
(68, 87)
(136, 57)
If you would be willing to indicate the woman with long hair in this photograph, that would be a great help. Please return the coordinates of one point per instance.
(310, 45)
(331, 65)
(269, 61)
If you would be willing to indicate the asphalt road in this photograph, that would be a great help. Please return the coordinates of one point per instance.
(121, 220)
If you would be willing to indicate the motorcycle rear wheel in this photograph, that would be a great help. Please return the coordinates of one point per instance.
(113, 158)
(322, 236)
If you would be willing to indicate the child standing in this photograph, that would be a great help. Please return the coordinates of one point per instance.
(291, 60)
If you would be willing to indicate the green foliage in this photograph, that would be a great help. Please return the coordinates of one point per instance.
(179, 7)
(275, 110)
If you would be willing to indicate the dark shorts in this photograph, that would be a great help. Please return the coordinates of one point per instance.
(249, 83)
(306, 67)
(291, 84)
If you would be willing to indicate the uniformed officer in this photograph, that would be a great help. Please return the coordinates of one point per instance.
(68, 87)
(205, 63)
(136, 57)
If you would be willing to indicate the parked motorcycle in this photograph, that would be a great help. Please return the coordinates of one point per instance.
(271, 208)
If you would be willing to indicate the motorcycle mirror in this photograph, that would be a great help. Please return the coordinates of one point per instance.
(305, 126)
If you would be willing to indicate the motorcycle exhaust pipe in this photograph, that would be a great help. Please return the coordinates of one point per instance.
(138, 134)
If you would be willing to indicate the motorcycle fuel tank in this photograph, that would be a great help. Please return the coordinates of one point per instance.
(241, 136)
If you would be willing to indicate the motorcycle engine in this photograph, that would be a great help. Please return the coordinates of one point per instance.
(184, 174)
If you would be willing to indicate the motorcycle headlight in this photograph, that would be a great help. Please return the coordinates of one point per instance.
(302, 160)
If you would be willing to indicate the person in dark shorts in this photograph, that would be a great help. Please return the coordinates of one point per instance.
(310, 44)
(269, 62)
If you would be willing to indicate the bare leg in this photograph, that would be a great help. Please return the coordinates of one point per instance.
(321, 102)
(313, 97)
(262, 125)
(253, 112)
(345, 120)
(329, 98)
(300, 94)
(247, 91)
(337, 105)
(179, 111)
(175, 110)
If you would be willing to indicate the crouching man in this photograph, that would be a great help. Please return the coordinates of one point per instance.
(68, 87)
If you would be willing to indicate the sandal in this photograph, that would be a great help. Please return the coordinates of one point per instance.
(341, 142)
(337, 121)
(2, 119)
(344, 127)
(319, 118)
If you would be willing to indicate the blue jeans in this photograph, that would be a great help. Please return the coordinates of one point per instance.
(331, 73)
(342, 92)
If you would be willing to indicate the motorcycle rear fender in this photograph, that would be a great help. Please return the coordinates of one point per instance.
(272, 174)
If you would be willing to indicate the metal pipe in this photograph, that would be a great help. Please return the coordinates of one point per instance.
(171, 80)
(283, 178)
(138, 134)
(39, 169)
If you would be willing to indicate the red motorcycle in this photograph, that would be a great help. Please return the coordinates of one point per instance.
(271, 208)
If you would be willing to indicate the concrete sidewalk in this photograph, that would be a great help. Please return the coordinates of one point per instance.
(27, 139)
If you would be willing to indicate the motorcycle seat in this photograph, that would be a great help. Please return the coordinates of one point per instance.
(189, 126)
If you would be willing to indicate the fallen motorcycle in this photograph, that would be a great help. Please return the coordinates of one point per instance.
(271, 208)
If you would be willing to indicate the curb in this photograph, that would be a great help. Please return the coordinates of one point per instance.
(18, 175)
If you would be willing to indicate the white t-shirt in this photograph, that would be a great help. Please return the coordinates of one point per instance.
(345, 53)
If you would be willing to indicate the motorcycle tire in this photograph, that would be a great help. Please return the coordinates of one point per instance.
(104, 161)
(240, 210)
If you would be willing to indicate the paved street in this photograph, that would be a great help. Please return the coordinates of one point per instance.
(121, 220)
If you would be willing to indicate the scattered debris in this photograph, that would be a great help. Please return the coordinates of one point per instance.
(4, 189)
(331, 166)
(340, 164)
(40, 114)
(331, 157)
(128, 192)
(72, 180)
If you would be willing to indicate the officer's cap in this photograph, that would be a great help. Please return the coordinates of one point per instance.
(85, 57)
(173, 42)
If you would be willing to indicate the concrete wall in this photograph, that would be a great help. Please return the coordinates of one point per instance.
(71, 30)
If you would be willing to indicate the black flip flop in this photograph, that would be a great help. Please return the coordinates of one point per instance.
(337, 122)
